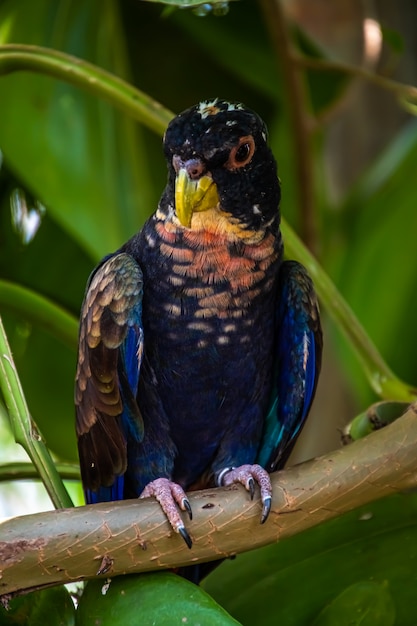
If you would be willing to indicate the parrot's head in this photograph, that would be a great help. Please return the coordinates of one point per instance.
(220, 165)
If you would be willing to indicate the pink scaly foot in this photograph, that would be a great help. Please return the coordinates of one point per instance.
(170, 495)
(247, 475)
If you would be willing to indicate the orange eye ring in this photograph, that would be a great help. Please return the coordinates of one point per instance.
(241, 154)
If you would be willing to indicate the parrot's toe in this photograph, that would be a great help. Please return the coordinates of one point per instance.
(170, 496)
(248, 475)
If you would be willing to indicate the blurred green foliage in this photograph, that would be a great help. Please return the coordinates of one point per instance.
(99, 174)
(308, 577)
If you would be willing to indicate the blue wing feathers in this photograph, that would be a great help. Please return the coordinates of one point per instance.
(129, 368)
(311, 372)
(106, 494)
(297, 365)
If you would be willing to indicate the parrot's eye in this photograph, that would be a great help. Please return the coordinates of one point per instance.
(241, 154)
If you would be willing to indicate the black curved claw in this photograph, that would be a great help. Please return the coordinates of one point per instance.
(187, 507)
(251, 487)
(185, 536)
(266, 509)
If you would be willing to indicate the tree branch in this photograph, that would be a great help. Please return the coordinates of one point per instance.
(133, 536)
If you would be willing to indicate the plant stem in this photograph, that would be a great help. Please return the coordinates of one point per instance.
(407, 94)
(19, 57)
(24, 429)
(382, 380)
(26, 471)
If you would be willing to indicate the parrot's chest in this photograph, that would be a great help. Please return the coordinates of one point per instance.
(208, 312)
(203, 290)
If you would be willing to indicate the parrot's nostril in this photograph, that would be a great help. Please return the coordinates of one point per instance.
(195, 168)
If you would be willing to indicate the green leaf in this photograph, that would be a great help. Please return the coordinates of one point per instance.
(293, 581)
(84, 160)
(40, 311)
(87, 163)
(48, 384)
(44, 282)
(164, 599)
(23, 428)
(362, 604)
(53, 607)
(379, 269)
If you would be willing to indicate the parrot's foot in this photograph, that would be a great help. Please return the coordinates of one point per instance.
(170, 495)
(247, 475)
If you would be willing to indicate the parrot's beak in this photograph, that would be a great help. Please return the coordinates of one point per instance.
(193, 195)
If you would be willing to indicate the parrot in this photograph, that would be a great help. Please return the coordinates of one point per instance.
(199, 344)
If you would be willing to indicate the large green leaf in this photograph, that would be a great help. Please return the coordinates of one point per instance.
(164, 599)
(54, 267)
(87, 163)
(53, 607)
(362, 604)
(378, 270)
(294, 581)
(80, 157)
(48, 383)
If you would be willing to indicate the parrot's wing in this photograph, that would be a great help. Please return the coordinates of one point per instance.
(109, 358)
(297, 364)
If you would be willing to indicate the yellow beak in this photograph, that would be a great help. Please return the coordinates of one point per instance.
(193, 195)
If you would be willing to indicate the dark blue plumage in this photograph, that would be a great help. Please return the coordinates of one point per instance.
(199, 347)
